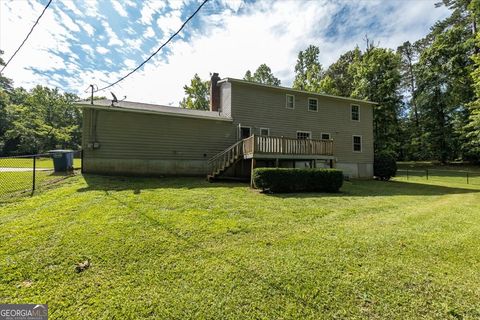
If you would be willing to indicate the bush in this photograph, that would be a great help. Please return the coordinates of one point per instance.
(384, 166)
(297, 180)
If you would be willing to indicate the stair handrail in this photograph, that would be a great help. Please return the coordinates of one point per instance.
(218, 155)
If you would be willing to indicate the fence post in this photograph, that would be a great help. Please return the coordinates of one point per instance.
(33, 175)
(426, 171)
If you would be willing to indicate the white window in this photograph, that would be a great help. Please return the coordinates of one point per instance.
(302, 135)
(357, 143)
(312, 104)
(264, 131)
(355, 112)
(325, 136)
(290, 101)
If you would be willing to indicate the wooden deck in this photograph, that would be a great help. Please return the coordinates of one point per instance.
(268, 147)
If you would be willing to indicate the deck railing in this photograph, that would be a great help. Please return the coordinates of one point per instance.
(288, 146)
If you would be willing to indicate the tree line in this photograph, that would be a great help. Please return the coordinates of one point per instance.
(37, 120)
(428, 91)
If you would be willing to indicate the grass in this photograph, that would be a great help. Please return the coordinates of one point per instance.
(184, 248)
(28, 163)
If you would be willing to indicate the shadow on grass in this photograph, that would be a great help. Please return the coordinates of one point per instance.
(355, 188)
(137, 184)
(373, 188)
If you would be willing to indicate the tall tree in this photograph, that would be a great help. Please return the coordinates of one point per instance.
(472, 128)
(377, 78)
(339, 76)
(308, 70)
(444, 84)
(263, 74)
(196, 94)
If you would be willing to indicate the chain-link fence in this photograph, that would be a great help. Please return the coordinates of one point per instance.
(26, 174)
(451, 176)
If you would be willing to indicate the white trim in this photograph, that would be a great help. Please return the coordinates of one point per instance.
(286, 100)
(268, 129)
(353, 143)
(308, 104)
(309, 133)
(294, 90)
(351, 107)
(329, 135)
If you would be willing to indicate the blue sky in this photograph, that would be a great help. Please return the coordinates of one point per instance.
(87, 41)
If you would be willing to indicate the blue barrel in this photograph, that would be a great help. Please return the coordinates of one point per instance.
(62, 160)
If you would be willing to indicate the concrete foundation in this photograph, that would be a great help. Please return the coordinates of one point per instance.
(356, 170)
(178, 167)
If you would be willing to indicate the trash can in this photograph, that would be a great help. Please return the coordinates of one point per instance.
(62, 160)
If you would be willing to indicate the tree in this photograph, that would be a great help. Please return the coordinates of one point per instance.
(338, 79)
(263, 74)
(5, 88)
(43, 119)
(377, 78)
(308, 70)
(444, 83)
(472, 128)
(197, 95)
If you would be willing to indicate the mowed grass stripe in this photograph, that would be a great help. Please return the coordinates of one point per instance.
(183, 248)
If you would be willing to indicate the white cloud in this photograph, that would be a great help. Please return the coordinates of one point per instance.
(112, 36)
(130, 63)
(119, 8)
(149, 8)
(229, 42)
(87, 48)
(88, 29)
(149, 33)
(102, 50)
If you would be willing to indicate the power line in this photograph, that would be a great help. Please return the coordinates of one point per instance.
(28, 35)
(160, 48)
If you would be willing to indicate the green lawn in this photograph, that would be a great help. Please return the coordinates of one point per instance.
(28, 163)
(183, 248)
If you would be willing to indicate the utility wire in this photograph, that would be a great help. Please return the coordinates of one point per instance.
(28, 35)
(160, 48)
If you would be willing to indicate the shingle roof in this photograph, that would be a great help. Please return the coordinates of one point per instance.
(130, 106)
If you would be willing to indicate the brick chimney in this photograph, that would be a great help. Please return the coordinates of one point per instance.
(214, 93)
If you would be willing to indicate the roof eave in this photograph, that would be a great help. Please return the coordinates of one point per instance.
(296, 90)
(126, 109)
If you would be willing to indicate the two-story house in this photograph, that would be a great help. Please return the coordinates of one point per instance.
(248, 125)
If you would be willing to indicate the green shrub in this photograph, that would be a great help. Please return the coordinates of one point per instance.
(384, 166)
(297, 180)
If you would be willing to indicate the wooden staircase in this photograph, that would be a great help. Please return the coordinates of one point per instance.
(219, 163)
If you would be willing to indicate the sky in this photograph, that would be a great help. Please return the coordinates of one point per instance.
(83, 42)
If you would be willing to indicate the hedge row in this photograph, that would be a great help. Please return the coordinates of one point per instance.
(297, 180)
